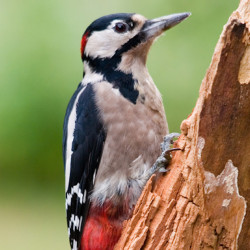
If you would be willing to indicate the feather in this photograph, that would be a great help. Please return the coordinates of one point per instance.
(83, 159)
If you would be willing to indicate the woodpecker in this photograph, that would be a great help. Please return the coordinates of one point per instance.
(113, 128)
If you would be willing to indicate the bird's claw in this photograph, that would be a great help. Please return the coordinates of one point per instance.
(168, 141)
(163, 170)
(164, 159)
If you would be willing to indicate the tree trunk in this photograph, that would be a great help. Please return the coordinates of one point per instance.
(201, 202)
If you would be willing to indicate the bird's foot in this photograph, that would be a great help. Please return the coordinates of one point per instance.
(165, 158)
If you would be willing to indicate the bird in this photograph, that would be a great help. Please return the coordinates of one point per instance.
(113, 128)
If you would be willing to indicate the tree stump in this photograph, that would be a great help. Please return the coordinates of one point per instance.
(201, 202)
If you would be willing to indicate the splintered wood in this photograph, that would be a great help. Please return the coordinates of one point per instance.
(198, 204)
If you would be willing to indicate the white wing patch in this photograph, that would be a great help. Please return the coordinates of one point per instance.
(74, 245)
(75, 222)
(76, 190)
(70, 138)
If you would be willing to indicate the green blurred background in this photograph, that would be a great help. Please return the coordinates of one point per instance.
(40, 67)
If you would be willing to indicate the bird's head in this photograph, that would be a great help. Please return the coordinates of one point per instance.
(114, 35)
(115, 48)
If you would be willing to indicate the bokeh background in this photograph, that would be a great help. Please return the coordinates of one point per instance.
(40, 67)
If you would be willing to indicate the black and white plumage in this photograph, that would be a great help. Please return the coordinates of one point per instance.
(115, 120)
(85, 149)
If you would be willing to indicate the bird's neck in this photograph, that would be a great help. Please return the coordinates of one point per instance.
(90, 75)
(109, 70)
(123, 67)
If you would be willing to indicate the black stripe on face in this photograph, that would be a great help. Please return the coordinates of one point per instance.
(132, 43)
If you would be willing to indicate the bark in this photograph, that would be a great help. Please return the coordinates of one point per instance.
(201, 202)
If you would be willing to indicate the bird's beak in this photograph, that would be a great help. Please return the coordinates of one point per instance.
(155, 27)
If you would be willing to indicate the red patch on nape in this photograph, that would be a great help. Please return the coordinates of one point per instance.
(83, 43)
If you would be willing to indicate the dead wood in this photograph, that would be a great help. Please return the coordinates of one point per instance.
(201, 202)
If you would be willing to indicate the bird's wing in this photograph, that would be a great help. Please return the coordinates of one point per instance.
(82, 151)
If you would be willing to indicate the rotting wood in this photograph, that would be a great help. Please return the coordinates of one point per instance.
(198, 204)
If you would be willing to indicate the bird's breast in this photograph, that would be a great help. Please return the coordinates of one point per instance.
(134, 133)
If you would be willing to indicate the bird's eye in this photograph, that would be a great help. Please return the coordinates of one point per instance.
(121, 27)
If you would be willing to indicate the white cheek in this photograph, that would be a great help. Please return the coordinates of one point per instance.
(105, 43)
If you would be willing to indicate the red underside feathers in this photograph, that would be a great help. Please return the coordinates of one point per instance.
(103, 228)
